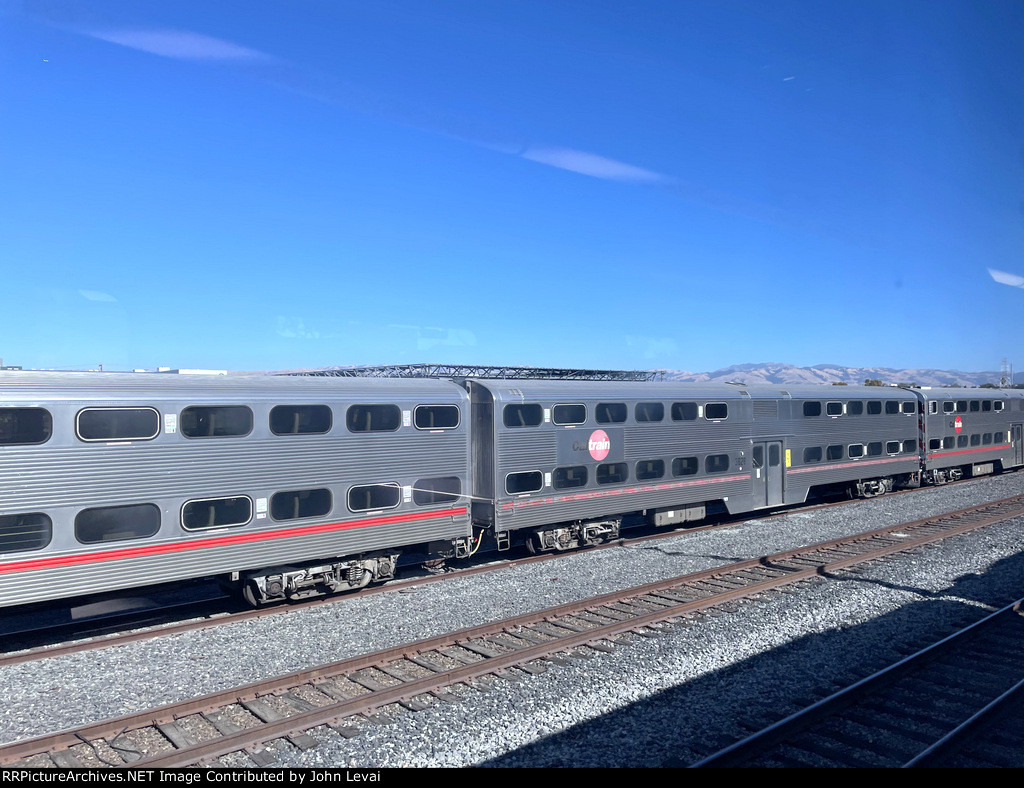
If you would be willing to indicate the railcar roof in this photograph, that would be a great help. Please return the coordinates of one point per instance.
(71, 385)
(517, 390)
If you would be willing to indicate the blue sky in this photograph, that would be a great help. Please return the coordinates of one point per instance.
(686, 185)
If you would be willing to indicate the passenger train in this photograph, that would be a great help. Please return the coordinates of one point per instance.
(288, 487)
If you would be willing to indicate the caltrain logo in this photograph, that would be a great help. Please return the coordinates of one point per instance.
(958, 424)
(599, 444)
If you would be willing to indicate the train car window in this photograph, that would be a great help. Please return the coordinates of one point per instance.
(834, 452)
(524, 482)
(961, 441)
(874, 448)
(436, 417)
(997, 405)
(854, 408)
(910, 446)
(774, 455)
(757, 456)
(650, 469)
(528, 414)
(961, 406)
(571, 476)
(25, 426)
(976, 439)
(296, 504)
(812, 454)
(684, 411)
(935, 443)
(716, 463)
(612, 473)
(874, 407)
(833, 408)
(999, 437)
(20, 532)
(812, 409)
(215, 421)
(373, 418)
(948, 443)
(685, 466)
(569, 414)
(610, 412)
(216, 513)
(715, 411)
(856, 450)
(908, 406)
(975, 406)
(933, 407)
(986, 439)
(892, 447)
(440, 489)
(112, 424)
(948, 406)
(365, 497)
(892, 406)
(986, 405)
(117, 523)
(649, 411)
(301, 419)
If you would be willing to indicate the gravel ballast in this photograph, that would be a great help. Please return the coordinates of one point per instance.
(656, 701)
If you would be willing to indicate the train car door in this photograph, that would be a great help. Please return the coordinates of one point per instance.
(767, 467)
(1018, 444)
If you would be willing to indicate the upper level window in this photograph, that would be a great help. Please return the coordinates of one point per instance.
(112, 424)
(975, 406)
(854, 408)
(649, 411)
(436, 417)
(892, 406)
(373, 418)
(961, 406)
(874, 407)
(610, 412)
(812, 409)
(716, 410)
(997, 405)
(569, 414)
(684, 411)
(833, 408)
(908, 406)
(24, 426)
(948, 406)
(215, 421)
(300, 419)
(986, 405)
(523, 414)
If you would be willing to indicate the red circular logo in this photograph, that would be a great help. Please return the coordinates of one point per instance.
(958, 424)
(599, 444)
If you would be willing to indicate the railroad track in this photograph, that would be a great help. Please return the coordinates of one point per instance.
(63, 638)
(347, 695)
(955, 703)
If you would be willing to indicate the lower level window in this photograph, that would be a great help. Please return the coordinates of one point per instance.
(612, 473)
(115, 523)
(374, 496)
(24, 532)
(440, 489)
(216, 513)
(296, 504)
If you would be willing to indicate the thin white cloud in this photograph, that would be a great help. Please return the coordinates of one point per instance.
(1006, 279)
(295, 328)
(96, 295)
(592, 165)
(179, 44)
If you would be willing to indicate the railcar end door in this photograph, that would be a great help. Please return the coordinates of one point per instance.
(1018, 444)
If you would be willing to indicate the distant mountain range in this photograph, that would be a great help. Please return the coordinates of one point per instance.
(778, 372)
